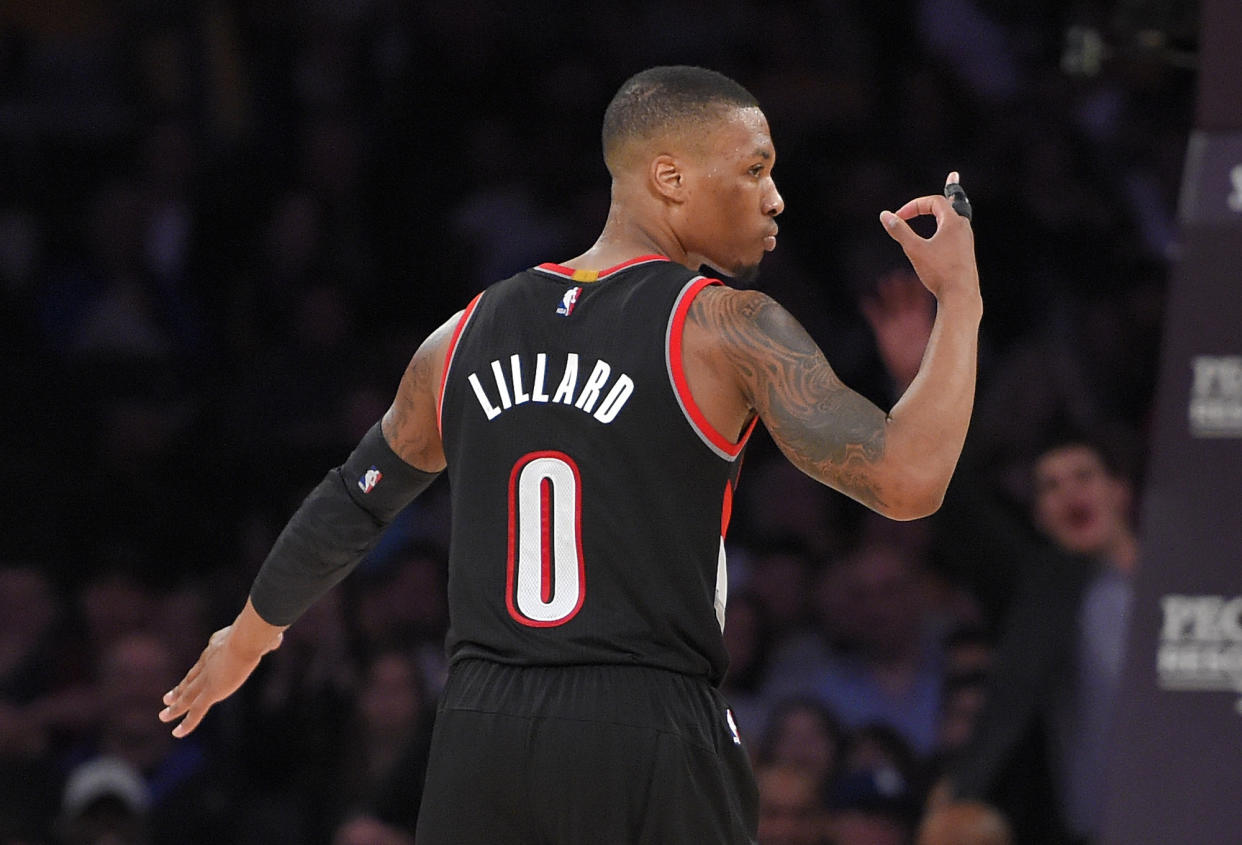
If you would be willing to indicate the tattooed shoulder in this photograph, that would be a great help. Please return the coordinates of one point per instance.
(827, 430)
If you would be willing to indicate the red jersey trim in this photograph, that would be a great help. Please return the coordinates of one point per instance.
(574, 275)
(717, 442)
(448, 359)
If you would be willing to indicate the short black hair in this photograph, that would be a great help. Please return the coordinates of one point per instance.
(660, 98)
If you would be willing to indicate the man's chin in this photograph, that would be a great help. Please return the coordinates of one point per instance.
(1085, 543)
(741, 277)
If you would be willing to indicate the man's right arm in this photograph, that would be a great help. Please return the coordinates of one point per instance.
(898, 463)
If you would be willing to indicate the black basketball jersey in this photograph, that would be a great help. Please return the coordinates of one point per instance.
(589, 494)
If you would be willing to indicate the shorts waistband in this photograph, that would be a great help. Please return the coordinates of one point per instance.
(641, 696)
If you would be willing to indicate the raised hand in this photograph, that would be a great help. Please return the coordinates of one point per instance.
(900, 312)
(945, 262)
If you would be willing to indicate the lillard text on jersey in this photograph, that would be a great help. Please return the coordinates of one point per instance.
(519, 380)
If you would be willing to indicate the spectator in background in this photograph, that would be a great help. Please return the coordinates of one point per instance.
(366, 830)
(872, 807)
(791, 806)
(877, 747)
(875, 656)
(802, 732)
(293, 730)
(969, 651)
(964, 823)
(1058, 663)
(748, 640)
(969, 657)
(30, 675)
(187, 798)
(781, 572)
(388, 736)
(106, 802)
(399, 604)
(1042, 720)
(778, 502)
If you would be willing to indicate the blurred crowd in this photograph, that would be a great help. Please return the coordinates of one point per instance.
(225, 226)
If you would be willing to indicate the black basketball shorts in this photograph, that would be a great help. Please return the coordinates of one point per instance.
(605, 755)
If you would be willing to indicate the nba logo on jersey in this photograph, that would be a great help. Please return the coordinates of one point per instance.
(367, 483)
(568, 301)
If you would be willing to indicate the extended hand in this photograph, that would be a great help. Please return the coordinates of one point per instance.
(231, 655)
(945, 262)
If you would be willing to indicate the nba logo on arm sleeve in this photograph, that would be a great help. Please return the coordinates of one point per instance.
(368, 481)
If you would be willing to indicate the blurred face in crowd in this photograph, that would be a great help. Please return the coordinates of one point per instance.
(801, 738)
(858, 828)
(1079, 504)
(882, 601)
(135, 671)
(390, 698)
(743, 635)
(790, 812)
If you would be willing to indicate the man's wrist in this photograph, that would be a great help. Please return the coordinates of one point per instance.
(250, 636)
(960, 304)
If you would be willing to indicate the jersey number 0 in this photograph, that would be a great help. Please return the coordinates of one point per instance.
(546, 581)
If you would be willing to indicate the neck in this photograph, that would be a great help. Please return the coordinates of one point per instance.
(629, 235)
(1122, 555)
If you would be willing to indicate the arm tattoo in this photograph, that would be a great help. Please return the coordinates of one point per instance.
(401, 426)
(822, 426)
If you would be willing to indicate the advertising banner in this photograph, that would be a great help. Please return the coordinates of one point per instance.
(1176, 767)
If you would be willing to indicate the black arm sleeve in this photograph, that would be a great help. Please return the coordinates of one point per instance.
(337, 524)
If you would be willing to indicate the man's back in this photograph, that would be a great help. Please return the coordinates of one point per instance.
(588, 502)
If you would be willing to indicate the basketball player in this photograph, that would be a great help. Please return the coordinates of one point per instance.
(591, 416)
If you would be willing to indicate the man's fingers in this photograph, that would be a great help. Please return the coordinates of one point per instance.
(195, 715)
(194, 705)
(177, 703)
(178, 698)
(937, 206)
(192, 675)
(179, 690)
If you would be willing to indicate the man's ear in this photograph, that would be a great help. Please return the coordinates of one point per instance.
(667, 177)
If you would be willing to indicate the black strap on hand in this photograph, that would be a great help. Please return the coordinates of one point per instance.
(334, 528)
(957, 195)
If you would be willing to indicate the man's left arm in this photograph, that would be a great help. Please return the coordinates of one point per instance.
(332, 530)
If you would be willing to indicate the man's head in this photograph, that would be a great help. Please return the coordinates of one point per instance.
(691, 147)
(1081, 498)
(665, 101)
